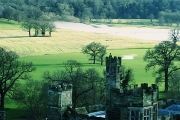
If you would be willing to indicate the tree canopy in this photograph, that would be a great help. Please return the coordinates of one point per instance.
(163, 57)
(11, 70)
(95, 49)
(85, 10)
(88, 86)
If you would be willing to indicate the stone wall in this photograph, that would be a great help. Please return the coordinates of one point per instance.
(2, 115)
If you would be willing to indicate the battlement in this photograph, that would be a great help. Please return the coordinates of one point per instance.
(60, 87)
(113, 60)
(142, 96)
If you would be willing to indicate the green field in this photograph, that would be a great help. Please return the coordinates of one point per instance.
(49, 53)
(130, 23)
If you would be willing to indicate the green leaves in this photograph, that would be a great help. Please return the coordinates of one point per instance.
(163, 59)
(11, 70)
(95, 50)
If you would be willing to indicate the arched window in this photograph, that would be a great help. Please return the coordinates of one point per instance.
(135, 115)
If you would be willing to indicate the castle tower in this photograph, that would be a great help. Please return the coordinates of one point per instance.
(60, 96)
(113, 71)
(113, 65)
(128, 103)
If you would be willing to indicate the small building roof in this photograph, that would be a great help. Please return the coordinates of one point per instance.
(97, 114)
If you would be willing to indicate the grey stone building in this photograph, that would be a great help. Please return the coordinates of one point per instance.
(60, 97)
(130, 103)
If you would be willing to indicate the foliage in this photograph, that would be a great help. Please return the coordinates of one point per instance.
(169, 18)
(87, 9)
(163, 57)
(174, 86)
(101, 54)
(42, 26)
(127, 77)
(86, 84)
(11, 70)
(95, 49)
(33, 95)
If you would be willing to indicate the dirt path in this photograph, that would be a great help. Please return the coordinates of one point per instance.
(132, 32)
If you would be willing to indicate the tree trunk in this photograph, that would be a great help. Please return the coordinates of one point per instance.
(101, 60)
(2, 101)
(50, 34)
(74, 97)
(29, 32)
(166, 80)
(94, 60)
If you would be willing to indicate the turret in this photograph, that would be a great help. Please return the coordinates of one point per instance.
(113, 65)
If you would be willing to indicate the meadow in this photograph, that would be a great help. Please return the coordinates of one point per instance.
(130, 23)
(49, 53)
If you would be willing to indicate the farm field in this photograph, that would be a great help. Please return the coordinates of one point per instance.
(49, 53)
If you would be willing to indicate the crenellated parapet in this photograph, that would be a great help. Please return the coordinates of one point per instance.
(112, 63)
(137, 96)
(59, 98)
(60, 87)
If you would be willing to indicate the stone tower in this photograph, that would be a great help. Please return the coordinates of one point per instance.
(60, 96)
(113, 65)
(131, 103)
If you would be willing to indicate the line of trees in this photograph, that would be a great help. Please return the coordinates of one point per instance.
(84, 10)
(39, 27)
(169, 18)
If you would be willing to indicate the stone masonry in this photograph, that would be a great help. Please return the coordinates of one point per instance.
(132, 102)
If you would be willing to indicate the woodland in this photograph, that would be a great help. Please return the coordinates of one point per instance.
(85, 10)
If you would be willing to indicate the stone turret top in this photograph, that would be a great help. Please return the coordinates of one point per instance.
(114, 59)
(60, 87)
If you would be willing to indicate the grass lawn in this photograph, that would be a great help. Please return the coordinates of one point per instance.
(49, 53)
(53, 62)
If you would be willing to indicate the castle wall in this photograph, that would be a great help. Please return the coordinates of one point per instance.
(128, 103)
(60, 96)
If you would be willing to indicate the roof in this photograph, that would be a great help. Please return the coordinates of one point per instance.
(97, 114)
(171, 110)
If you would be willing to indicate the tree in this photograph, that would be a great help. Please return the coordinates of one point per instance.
(8, 12)
(86, 15)
(27, 26)
(94, 49)
(151, 16)
(174, 86)
(51, 28)
(163, 57)
(102, 54)
(11, 70)
(33, 95)
(127, 77)
(36, 27)
(84, 83)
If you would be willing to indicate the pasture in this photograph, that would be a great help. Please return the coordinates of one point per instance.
(130, 23)
(49, 53)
